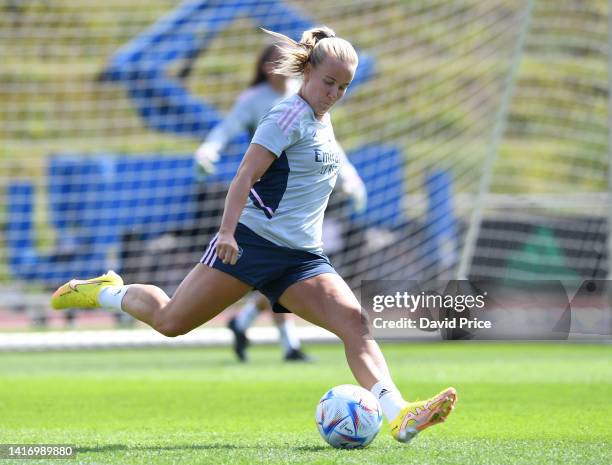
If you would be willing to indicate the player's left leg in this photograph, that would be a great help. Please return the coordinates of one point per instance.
(327, 301)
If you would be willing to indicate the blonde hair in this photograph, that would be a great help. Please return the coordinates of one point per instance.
(315, 45)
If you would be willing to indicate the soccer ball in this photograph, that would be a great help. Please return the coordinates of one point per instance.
(348, 417)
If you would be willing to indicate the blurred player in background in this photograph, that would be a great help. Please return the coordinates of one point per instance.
(270, 236)
(266, 89)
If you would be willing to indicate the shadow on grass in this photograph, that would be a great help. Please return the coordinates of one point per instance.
(186, 447)
(123, 447)
(312, 448)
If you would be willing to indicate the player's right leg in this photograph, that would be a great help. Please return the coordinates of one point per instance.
(83, 293)
(327, 301)
(203, 294)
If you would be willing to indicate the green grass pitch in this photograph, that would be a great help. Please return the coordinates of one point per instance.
(518, 404)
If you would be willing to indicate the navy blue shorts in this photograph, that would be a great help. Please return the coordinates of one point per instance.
(268, 267)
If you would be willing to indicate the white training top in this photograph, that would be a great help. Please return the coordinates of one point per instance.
(286, 205)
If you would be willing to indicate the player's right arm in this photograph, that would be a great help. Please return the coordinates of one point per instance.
(269, 141)
(234, 122)
(255, 163)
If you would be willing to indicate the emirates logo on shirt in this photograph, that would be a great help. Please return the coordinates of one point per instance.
(330, 161)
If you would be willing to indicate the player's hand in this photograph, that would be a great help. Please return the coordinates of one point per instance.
(206, 156)
(359, 195)
(353, 187)
(227, 248)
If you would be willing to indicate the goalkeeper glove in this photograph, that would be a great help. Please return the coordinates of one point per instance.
(353, 187)
(206, 156)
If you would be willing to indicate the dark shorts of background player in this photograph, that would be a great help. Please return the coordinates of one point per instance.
(268, 267)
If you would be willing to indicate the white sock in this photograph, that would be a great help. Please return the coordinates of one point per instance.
(246, 316)
(111, 297)
(389, 397)
(288, 337)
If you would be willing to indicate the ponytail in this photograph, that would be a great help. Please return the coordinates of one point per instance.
(315, 45)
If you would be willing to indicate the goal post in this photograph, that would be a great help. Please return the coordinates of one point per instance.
(496, 135)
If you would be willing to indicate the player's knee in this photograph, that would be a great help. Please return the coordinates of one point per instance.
(169, 327)
(354, 326)
(171, 331)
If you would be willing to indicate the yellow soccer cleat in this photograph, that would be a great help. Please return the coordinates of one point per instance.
(83, 293)
(417, 416)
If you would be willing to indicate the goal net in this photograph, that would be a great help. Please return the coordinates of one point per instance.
(481, 130)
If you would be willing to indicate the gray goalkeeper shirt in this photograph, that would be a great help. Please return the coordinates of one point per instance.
(250, 107)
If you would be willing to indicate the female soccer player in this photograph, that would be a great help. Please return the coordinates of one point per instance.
(266, 90)
(270, 236)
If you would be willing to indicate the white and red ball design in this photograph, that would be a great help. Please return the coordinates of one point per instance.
(348, 417)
